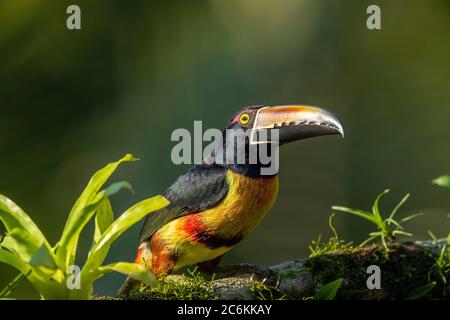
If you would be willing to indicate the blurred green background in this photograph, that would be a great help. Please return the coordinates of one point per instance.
(71, 101)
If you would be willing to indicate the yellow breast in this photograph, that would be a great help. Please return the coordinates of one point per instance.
(247, 202)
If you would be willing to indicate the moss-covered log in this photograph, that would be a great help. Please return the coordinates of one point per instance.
(408, 271)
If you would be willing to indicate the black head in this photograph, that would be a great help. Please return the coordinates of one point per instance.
(268, 125)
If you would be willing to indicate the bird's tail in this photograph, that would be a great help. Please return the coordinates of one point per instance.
(143, 257)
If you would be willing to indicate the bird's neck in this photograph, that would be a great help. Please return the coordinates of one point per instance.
(237, 159)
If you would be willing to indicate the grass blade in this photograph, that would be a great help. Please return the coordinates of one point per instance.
(394, 211)
(376, 210)
(411, 217)
(360, 213)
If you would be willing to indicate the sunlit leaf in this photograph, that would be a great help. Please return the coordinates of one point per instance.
(361, 213)
(14, 217)
(125, 221)
(83, 211)
(376, 209)
(133, 270)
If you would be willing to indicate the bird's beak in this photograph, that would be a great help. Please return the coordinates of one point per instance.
(298, 122)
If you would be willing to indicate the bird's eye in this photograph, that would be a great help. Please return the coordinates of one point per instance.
(244, 118)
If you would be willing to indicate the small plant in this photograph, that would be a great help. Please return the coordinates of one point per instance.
(441, 267)
(388, 228)
(52, 270)
(329, 290)
(317, 247)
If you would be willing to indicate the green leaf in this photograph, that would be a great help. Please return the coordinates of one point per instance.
(376, 210)
(394, 211)
(390, 221)
(368, 240)
(395, 232)
(442, 181)
(360, 213)
(14, 261)
(405, 219)
(119, 226)
(44, 262)
(103, 218)
(83, 210)
(14, 217)
(21, 243)
(421, 291)
(329, 291)
(133, 270)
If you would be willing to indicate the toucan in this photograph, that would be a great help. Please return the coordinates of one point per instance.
(217, 203)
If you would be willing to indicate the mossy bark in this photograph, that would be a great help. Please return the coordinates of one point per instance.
(406, 269)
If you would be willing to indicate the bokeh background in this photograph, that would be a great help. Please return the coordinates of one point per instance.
(71, 101)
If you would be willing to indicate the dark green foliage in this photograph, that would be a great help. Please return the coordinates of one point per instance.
(329, 290)
(404, 270)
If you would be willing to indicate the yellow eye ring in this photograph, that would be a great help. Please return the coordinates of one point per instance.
(244, 118)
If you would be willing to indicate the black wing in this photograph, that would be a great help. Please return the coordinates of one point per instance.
(199, 189)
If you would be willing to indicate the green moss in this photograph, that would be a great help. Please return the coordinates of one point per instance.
(403, 270)
(192, 287)
(262, 292)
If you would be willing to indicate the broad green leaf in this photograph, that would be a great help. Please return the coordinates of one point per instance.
(47, 289)
(43, 262)
(329, 291)
(82, 212)
(21, 243)
(103, 218)
(394, 211)
(104, 215)
(14, 217)
(360, 213)
(87, 215)
(442, 181)
(421, 291)
(125, 221)
(14, 261)
(133, 270)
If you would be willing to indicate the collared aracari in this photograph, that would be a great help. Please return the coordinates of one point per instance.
(215, 205)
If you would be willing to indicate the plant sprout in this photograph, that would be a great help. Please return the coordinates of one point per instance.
(387, 228)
